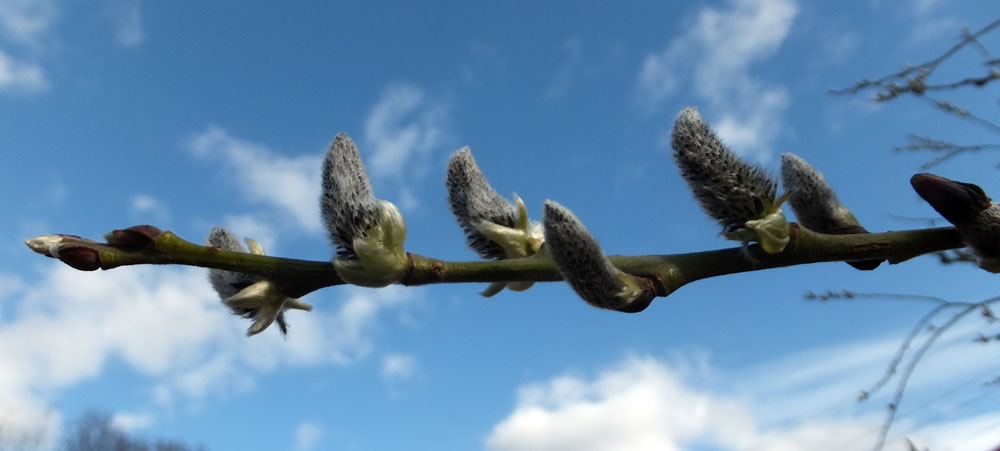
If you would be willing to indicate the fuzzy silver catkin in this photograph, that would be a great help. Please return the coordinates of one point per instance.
(227, 283)
(347, 204)
(473, 201)
(728, 189)
(815, 204)
(579, 258)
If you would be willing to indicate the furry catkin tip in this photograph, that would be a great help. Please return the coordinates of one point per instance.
(474, 202)
(227, 283)
(347, 204)
(728, 189)
(815, 204)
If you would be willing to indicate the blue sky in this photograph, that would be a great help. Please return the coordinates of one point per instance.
(188, 115)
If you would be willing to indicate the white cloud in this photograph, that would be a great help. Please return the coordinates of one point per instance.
(716, 53)
(131, 421)
(979, 433)
(401, 129)
(483, 61)
(57, 192)
(126, 16)
(636, 405)
(802, 402)
(21, 77)
(935, 31)
(28, 424)
(642, 404)
(843, 45)
(27, 21)
(168, 325)
(146, 205)
(306, 436)
(10, 285)
(289, 183)
(398, 366)
(921, 7)
(572, 49)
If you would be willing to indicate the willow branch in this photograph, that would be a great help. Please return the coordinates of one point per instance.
(297, 278)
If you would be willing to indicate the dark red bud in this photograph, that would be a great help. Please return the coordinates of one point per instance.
(140, 235)
(80, 257)
(957, 202)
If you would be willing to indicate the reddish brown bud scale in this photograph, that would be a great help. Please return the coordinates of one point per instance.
(140, 235)
(82, 258)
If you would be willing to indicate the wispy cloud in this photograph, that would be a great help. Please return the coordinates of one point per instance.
(21, 77)
(715, 55)
(149, 206)
(483, 60)
(27, 21)
(401, 129)
(126, 17)
(398, 367)
(572, 49)
(28, 26)
(307, 434)
(264, 175)
(925, 6)
(169, 326)
(131, 421)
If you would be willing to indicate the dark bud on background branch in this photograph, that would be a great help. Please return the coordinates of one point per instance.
(969, 208)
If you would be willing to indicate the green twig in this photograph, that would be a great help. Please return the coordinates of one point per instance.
(667, 273)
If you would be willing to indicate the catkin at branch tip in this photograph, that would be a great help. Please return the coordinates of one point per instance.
(579, 258)
(473, 201)
(728, 189)
(347, 204)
